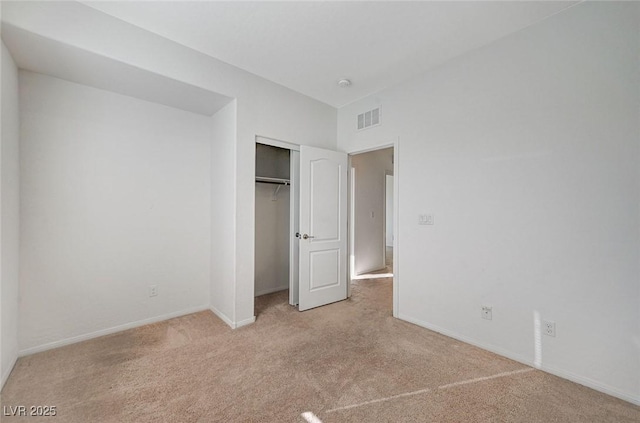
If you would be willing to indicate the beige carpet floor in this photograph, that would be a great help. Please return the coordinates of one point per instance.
(346, 362)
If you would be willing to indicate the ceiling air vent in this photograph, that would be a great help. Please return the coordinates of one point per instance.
(369, 119)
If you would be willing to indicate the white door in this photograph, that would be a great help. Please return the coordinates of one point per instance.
(323, 227)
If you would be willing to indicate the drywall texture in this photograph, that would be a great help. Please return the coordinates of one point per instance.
(526, 151)
(272, 238)
(9, 216)
(369, 214)
(263, 108)
(115, 196)
(223, 219)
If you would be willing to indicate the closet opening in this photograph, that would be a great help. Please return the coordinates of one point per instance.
(276, 211)
(301, 235)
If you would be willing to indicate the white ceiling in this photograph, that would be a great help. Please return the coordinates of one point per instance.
(50, 57)
(308, 46)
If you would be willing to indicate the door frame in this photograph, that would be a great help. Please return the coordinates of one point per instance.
(395, 143)
(387, 173)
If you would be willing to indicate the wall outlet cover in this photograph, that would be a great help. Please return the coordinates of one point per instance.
(549, 328)
(487, 312)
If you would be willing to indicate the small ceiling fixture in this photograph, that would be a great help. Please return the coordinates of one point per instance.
(344, 83)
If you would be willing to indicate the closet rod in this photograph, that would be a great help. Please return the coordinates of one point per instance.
(278, 181)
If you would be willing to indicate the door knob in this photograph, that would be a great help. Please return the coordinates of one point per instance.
(305, 236)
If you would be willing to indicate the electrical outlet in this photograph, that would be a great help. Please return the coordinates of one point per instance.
(549, 328)
(153, 290)
(487, 312)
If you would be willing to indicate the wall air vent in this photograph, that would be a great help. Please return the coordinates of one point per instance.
(369, 119)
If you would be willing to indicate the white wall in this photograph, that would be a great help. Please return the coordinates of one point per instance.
(223, 219)
(388, 198)
(263, 108)
(526, 151)
(272, 239)
(281, 114)
(369, 231)
(9, 212)
(115, 197)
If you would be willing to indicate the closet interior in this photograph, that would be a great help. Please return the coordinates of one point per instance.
(272, 219)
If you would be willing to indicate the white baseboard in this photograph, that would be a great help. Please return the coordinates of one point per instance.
(223, 317)
(589, 383)
(245, 322)
(231, 323)
(516, 357)
(270, 290)
(373, 269)
(109, 331)
(7, 372)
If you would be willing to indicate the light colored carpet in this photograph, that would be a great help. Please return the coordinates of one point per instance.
(346, 362)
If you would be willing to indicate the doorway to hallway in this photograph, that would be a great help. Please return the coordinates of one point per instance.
(372, 218)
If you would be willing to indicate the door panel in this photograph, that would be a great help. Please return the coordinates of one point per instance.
(324, 269)
(325, 200)
(323, 219)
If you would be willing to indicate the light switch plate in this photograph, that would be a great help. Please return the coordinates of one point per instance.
(425, 219)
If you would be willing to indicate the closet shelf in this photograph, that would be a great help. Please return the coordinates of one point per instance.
(278, 181)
